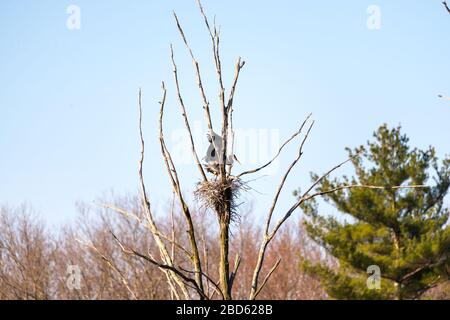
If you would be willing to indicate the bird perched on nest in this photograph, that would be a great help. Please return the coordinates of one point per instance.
(215, 150)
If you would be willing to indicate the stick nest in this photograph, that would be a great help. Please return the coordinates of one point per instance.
(216, 195)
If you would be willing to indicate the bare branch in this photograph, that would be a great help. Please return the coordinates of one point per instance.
(297, 204)
(352, 186)
(173, 234)
(329, 172)
(238, 67)
(128, 214)
(173, 175)
(268, 276)
(210, 280)
(215, 39)
(162, 266)
(206, 19)
(123, 212)
(446, 6)
(283, 180)
(229, 109)
(184, 114)
(146, 203)
(279, 150)
(111, 265)
(306, 195)
(267, 237)
(199, 79)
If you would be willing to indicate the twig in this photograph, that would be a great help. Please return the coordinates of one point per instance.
(267, 237)
(146, 204)
(205, 255)
(111, 265)
(238, 67)
(215, 40)
(268, 276)
(299, 202)
(128, 214)
(283, 180)
(162, 266)
(352, 186)
(198, 75)
(329, 172)
(229, 109)
(446, 6)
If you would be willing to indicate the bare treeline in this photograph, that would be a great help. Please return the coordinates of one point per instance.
(39, 263)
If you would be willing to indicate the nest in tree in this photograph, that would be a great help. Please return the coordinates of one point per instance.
(221, 197)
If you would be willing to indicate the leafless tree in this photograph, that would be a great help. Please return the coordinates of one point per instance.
(34, 261)
(218, 190)
(25, 249)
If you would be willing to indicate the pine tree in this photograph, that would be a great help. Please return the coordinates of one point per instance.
(403, 232)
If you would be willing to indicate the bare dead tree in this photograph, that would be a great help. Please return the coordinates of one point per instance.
(218, 192)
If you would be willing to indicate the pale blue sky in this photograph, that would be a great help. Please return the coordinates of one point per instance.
(68, 98)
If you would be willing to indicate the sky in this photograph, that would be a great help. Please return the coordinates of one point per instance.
(68, 95)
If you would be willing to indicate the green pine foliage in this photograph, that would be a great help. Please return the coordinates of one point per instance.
(405, 232)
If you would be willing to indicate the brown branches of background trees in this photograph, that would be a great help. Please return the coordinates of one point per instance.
(35, 261)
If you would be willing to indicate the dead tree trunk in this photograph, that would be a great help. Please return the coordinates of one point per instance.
(224, 271)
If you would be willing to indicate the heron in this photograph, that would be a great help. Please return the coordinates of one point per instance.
(215, 150)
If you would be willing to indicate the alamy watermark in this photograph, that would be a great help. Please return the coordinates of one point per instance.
(374, 280)
(374, 19)
(73, 21)
(73, 280)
